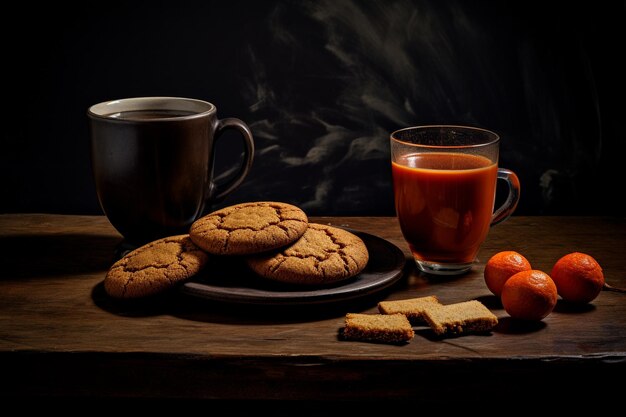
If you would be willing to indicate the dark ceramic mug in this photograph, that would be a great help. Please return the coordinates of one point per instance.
(153, 161)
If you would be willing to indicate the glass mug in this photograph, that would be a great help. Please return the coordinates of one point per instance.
(444, 180)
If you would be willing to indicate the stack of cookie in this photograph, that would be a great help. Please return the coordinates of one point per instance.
(275, 239)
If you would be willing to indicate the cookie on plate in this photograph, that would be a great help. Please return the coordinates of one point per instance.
(324, 254)
(154, 267)
(249, 228)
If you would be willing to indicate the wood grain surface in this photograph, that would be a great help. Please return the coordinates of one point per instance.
(60, 335)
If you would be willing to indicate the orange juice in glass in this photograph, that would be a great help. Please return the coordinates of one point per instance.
(444, 180)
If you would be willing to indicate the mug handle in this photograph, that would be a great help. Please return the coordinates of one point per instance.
(508, 207)
(219, 191)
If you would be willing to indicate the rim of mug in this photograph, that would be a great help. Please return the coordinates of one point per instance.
(103, 111)
(495, 136)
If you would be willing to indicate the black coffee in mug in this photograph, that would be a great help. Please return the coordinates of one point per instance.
(153, 163)
(149, 114)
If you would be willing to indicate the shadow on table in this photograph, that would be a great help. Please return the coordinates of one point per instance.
(32, 256)
(491, 301)
(429, 334)
(201, 310)
(141, 307)
(565, 307)
(509, 325)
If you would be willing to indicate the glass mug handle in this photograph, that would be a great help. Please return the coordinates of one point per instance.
(219, 191)
(508, 207)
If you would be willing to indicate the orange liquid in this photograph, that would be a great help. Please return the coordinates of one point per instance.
(444, 203)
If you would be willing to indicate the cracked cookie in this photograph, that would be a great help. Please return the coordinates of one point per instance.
(249, 228)
(154, 267)
(324, 254)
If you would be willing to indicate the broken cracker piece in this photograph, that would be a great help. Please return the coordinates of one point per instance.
(393, 328)
(459, 318)
(412, 308)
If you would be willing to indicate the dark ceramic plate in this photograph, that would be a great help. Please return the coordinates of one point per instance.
(229, 280)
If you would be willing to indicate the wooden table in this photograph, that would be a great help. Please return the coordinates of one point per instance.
(62, 337)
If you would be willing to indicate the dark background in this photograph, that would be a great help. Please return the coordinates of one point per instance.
(322, 84)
